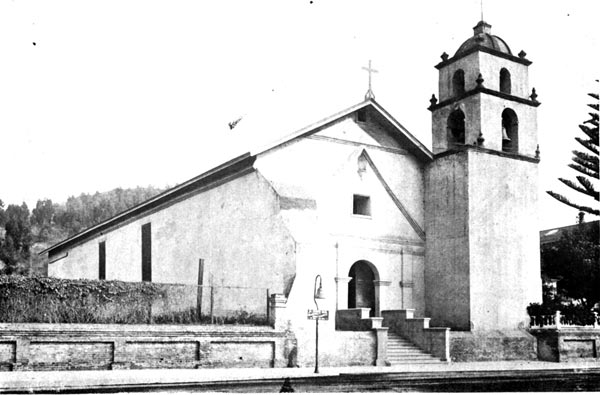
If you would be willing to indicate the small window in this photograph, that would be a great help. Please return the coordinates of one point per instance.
(456, 128)
(504, 81)
(146, 252)
(102, 260)
(458, 82)
(361, 115)
(361, 205)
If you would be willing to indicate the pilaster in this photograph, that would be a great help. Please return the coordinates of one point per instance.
(277, 305)
(379, 284)
(382, 340)
(341, 284)
(120, 360)
(21, 354)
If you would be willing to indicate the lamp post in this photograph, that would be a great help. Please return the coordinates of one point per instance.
(318, 294)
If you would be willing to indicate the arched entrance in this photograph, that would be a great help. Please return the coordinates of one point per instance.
(361, 288)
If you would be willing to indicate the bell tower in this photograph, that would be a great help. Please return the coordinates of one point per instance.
(482, 243)
(484, 98)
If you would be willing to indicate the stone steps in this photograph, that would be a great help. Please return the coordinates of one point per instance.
(407, 353)
(401, 351)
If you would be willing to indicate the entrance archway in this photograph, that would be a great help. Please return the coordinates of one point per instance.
(361, 288)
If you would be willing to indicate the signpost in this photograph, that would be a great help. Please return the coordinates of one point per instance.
(318, 315)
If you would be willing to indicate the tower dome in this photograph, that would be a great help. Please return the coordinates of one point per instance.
(482, 37)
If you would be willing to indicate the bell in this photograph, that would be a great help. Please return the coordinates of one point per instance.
(504, 135)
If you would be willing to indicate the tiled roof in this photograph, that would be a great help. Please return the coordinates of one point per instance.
(553, 235)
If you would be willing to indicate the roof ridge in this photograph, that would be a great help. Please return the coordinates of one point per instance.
(242, 162)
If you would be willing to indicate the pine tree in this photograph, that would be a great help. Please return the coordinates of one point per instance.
(585, 163)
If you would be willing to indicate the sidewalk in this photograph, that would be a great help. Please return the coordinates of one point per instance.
(82, 380)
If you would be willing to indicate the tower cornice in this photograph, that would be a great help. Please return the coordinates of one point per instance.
(467, 147)
(481, 89)
(482, 48)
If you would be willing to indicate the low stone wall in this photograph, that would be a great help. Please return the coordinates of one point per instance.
(336, 348)
(94, 346)
(567, 343)
(492, 346)
(344, 349)
(353, 320)
(432, 340)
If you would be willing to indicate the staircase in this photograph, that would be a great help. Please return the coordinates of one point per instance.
(401, 351)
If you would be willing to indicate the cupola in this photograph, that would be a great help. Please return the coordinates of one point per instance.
(483, 38)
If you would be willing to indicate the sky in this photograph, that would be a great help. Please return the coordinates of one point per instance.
(96, 95)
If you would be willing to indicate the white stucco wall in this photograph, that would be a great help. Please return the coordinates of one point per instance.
(234, 227)
(489, 67)
(504, 240)
(482, 251)
(291, 217)
(472, 108)
(491, 124)
(483, 114)
(447, 282)
(470, 64)
(326, 167)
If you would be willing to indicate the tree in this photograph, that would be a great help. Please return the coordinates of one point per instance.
(81, 212)
(585, 163)
(575, 260)
(14, 251)
(42, 216)
(2, 215)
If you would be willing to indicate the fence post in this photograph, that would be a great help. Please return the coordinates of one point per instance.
(212, 298)
(557, 319)
(268, 308)
(199, 304)
(199, 289)
(150, 320)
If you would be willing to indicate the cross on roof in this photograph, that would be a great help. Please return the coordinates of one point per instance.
(481, 6)
(370, 94)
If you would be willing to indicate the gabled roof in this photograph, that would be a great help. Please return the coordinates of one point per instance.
(404, 137)
(238, 165)
(241, 165)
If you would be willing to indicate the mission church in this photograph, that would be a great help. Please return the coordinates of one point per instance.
(393, 228)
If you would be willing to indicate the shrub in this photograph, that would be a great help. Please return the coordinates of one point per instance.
(190, 316)
(53, 300)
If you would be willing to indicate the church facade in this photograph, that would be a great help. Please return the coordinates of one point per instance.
(388, 224)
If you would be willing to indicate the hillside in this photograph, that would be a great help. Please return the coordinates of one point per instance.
(24, 234)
